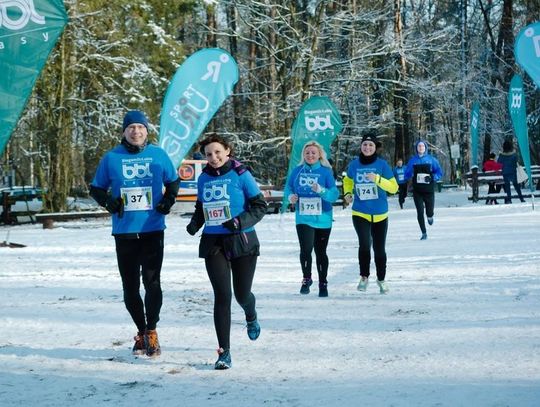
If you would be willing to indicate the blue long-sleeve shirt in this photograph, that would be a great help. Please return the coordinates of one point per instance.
(313, 208)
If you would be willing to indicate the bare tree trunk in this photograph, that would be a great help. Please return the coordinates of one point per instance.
(60, 131)
(233, 48)
(401, 103)
(308, 74)
(211, 23)
(502, 51)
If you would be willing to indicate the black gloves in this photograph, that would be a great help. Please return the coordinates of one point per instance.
(232, 224)
(115, 205)
(192, 228)
(169, 197)
(164, 206)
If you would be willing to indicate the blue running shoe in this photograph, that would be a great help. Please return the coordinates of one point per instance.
(253, 329)
(224, 360)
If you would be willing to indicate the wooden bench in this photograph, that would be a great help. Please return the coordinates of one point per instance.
(48, 219)
(476, 178)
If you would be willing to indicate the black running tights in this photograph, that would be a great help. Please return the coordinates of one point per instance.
(310, 238)
(369, 232)
(219, 271)
(136, 257)
(421, 198)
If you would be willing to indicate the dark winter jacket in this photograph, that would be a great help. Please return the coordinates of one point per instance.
(509, 162)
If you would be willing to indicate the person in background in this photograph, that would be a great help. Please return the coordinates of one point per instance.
(493, 188)
(368, 180)
(229, 204)
(509, 160)
(312, 189)
(425, 171)
(129, 183)
(399, 175)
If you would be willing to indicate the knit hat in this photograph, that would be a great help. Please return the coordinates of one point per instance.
(134, 116)
(371, 136)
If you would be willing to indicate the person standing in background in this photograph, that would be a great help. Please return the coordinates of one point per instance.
(425, 171)
(509, 160)
(312, 189)
(129, 183)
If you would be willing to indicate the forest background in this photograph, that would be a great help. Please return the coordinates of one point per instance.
(411, 69)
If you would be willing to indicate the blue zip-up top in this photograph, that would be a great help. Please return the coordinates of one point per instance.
(225, 196)
(313, 209)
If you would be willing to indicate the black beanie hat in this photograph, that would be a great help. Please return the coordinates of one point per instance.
(371, 136)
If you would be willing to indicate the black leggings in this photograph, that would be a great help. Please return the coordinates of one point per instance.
(421, 198)
(219, 271)
(309, 238)
(369, 232)
(136, 257)
(402, 193)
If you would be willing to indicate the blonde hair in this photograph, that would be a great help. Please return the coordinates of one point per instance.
(323, 160)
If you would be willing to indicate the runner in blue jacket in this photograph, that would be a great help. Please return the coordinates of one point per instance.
(129, 183)
(425, 171)
(229, 204)
(312, 188)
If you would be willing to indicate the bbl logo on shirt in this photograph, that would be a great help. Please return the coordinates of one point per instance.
(307, 180)
(215, 192)
(136, 171)
(361, 177)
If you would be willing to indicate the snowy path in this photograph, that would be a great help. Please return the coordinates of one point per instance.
(460, 326)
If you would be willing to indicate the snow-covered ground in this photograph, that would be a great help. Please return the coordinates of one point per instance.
(459, 327)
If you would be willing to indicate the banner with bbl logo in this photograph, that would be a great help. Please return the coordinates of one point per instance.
(475, 124)
(318, 120)
(29, 30)
(197, 90)
(518, 113)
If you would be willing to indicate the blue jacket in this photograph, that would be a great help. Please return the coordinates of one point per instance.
(424, 170)
(509, 162)
(313, 209)
(139, 179)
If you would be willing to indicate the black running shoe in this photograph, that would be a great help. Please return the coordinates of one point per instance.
(323, 289)
(306, 283)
